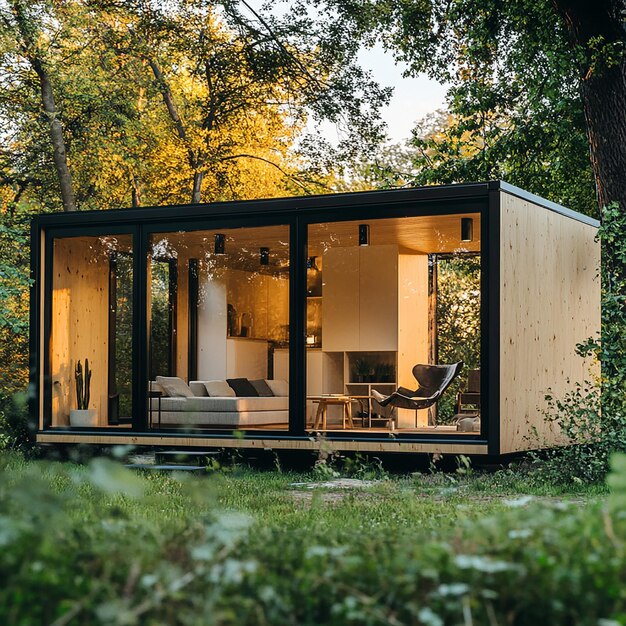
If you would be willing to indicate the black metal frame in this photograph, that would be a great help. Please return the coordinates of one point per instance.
(192, 308)
(298, 214)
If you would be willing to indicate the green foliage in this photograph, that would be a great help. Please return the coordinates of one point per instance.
(513, 105)
(15, 428)
(153, 96)
(458, 321)
(104, 546)
(14, 286)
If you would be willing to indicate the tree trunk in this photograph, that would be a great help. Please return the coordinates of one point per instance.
(602, 89)
(28, 33)
(192, 157)
(197, 187)
(56, 134)
(135, 190)
(604, 101)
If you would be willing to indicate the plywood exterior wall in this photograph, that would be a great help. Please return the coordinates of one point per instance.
(549, 302)
(80, 305)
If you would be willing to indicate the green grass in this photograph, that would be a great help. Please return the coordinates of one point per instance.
(96, 544)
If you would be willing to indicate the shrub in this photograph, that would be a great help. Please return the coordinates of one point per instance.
(15, 431)
(99, 545)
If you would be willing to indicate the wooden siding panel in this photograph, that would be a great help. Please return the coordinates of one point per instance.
(80, 322)
(549, 302)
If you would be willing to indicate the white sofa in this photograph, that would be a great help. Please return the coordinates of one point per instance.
(219, 412)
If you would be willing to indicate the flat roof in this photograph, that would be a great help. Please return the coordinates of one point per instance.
(304, 204)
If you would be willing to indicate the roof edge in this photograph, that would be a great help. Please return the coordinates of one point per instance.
(547, 204)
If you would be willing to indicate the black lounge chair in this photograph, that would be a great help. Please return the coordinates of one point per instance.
(432, 381)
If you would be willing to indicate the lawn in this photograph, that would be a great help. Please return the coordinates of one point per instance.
(96, 544)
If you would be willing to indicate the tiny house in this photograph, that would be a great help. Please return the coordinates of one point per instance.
(279, 323)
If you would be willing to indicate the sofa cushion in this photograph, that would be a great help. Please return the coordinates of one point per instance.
(262, 388)
(219, 389)
(174, 387)
(243, 387)
(198, 388)
(278, 387)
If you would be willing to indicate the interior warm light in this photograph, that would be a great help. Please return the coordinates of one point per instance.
(467, 229)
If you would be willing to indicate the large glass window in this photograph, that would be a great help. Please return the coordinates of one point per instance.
(386, 300)
(91, 331)
(219, 329)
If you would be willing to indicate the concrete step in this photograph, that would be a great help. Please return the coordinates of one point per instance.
(168, 467)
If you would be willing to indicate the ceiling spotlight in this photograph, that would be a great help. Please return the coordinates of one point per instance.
(467, 229)
(220, 244)
(364, 234)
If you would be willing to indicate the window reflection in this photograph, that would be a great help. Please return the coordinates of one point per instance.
(219, 329)
(395, 294)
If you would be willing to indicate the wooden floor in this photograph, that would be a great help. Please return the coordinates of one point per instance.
(424, 430)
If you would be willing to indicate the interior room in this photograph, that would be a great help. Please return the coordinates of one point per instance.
(218, 314)
(384, 296)
(91, 330)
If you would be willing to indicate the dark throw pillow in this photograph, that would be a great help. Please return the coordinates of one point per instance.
(242, 387)
(262, 388)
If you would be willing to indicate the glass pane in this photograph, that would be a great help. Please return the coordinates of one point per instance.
(219, 329)
(397, 296)
(91, 331)
(163, 299)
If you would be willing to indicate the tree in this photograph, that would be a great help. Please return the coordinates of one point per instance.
(22, 21)
(529, 79)
(245, 65)
(159, 102)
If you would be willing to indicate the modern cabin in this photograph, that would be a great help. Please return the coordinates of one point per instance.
(273, 323)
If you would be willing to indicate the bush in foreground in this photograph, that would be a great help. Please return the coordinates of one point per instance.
(102, 546)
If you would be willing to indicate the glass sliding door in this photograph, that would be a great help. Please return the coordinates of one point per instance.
(385, 296)
(163, 289)
(90, 343)
(120, 347)
(218, 313)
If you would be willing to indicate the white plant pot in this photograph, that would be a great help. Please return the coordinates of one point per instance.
(83, 417)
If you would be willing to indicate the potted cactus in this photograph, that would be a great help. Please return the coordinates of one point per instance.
(83, 415)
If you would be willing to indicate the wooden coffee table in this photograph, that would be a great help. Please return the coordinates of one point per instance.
(323, 403)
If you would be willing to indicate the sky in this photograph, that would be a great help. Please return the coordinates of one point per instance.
(412, 99)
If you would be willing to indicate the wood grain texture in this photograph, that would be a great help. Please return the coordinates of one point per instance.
(80, 321)
(265, 444)
(412, 327)
(423, 234)
(550, 301)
